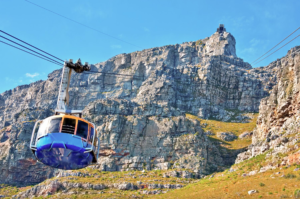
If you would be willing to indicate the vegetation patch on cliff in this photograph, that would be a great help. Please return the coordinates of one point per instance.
(7, 191)
(215, 126)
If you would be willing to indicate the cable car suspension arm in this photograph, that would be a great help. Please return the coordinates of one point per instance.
(63, 95)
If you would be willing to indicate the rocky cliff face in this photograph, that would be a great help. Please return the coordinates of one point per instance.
(278, 124)
(145, 113)
(141, 140)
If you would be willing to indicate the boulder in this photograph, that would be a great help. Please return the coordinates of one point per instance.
(227, 136)
(245, 135)
(208, 133)
(252, 192)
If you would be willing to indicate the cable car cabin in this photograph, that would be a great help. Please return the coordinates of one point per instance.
(65, 142)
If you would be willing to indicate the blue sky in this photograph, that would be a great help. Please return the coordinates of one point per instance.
(257, 26)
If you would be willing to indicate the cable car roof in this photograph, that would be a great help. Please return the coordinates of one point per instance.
(71, 117)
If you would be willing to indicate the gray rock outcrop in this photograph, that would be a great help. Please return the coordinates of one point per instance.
(245, 135)
(227, 136)
(277, 130)
(144, 141)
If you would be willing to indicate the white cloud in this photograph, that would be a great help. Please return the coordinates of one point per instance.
(269, 15)
(32, 75)
(88, 11)
(252, 47)
(254, 42)
(8, 79)
(250, 50)
(237, 22)
(116, 46)
(84, 12)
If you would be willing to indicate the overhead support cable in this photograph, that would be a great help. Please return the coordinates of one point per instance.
(39, 55)
(273, 47)
(112, 73)
(277, 49)
(82, 24)
(31, 45)
(31, 50)
(30, 53)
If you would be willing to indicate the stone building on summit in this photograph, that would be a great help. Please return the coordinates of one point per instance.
(221, 28)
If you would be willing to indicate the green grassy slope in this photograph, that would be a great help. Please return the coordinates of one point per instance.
(283, 182)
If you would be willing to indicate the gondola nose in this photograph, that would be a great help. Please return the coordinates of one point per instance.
(63, 151)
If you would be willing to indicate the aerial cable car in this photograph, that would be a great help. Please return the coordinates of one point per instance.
(64, 140)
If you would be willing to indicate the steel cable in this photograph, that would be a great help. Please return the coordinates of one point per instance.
(277, 49)
(113, 73)
(30, 49)
(274, 46)
(31, 45)
(30, 53)
(82, 24)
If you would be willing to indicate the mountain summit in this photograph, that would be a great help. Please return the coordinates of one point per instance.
(220, 43)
